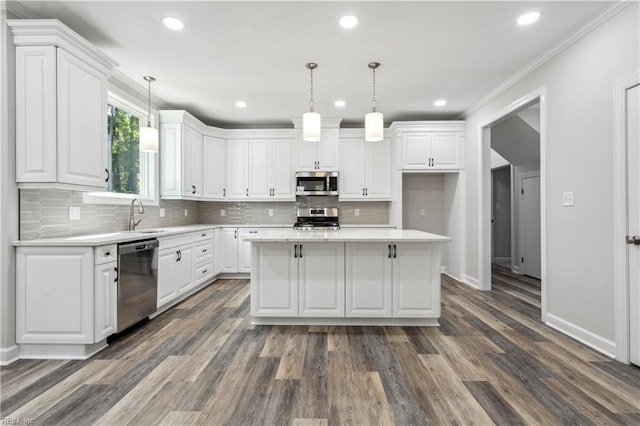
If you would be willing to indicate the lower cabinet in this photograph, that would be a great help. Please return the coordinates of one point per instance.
(368, 277)
(274, 280)
(228, 250)
(244, 249)
(175, 272)
(105, 300)
(321, 279)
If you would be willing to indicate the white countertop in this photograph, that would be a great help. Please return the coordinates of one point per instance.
(347, 235)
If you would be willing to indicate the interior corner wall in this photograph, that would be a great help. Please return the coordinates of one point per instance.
(8, 193)
(578, 111)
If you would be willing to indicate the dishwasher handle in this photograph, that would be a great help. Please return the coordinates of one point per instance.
(137, 246)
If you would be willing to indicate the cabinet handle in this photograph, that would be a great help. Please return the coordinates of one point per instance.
(300, 251)
(108, 175)
(363, 192)
(193, 189)
(179, 253)
(224, 192)
(389, 255)
(235, 234)
(246, 192)
(253, 232)
(366, 192)
(205, 271)
(204, 250)
(395, 252)
(107, 253)
(115, 271)
(295, 251)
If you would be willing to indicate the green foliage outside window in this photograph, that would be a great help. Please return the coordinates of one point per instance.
(124, 141)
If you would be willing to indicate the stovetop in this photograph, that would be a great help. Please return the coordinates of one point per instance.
(317, 219)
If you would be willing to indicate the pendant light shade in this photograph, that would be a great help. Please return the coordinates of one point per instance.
(374, 121)
(149, 141)
(311, 120)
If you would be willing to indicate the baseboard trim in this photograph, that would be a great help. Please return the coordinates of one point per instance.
(501, 260)
(515, 269)
(9, 355)
(600, 344)
(470, 281)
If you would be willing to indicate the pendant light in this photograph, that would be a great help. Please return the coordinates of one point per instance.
(149, 135)
(311, 120)
(373, 121)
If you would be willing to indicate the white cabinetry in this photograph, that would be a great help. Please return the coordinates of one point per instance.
(428, 145)
(61, 98)
(105, 292)
(180, 155)
(214, 168)
(321, 279)
(274, 280)
(271, 169)
(415, 267)
(322, 155)
(203, 249)
(365, 168)
(244, 249)
(175, 267)
(228, 250)
(237, 169)
(368, 280)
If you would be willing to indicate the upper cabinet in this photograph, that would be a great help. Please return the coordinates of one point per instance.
(430, 145)
(321, 155)
(61, 99)
(181, 155)
(214, 168)
(365, 167)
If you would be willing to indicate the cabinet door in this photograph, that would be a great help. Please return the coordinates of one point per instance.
(36, 155)
(444, 150)
(321, 279)
(244, 249)
(167, 286)
(184, 269)
(416, 150)
(54, 295)
(282, 181)
(307, 155)
(191, 163)
(352, 185)
(274, 280)
(416, 280)
(106, 297)
(237, 169)
(378, 170)
(260, 165)
(213, 168)
(368, 269)
(217, 251)
(229, 252)
(82, 123)
(328, 150)
(170, 160)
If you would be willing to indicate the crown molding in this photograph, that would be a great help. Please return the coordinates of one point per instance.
(547, 55)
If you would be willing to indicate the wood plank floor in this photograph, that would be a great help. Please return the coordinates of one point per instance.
(490, 362)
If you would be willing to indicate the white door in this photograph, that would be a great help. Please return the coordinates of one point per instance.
(167, 289)
(321, 279)
(191, 163)
(307, 155)
(368, 280)
(416, 277)
(352, 168)
(282, 174)
(274, 281)
(260, 164)
(328, 150)
(237, 169)
(633, 162)
(106, 299)
(530, 236)
(213, 168)
(416, 150)
(444, 150)
(244, 249)
(184, 269)
(378, 169)
(229, 250)
(217, 250)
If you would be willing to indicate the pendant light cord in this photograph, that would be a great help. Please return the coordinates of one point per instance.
(311, 100)
(374, 103)
(149, 100)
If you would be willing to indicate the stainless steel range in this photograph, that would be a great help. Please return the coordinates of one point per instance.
(317, 219)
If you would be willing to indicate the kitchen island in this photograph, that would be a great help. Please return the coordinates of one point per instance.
(346, 277)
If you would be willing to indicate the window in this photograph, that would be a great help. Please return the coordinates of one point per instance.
(133, 174)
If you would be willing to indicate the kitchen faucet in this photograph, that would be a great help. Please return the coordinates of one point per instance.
(132, 222)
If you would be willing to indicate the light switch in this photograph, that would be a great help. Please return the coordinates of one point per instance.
(222, 212)
(270, 212)
(567, 199)
(356, 212)
(423, 212)
(74, 213)
(161, 212)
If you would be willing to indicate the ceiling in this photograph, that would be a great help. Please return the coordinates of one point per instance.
(257, 51)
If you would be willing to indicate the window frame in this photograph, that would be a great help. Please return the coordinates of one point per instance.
(149, 163)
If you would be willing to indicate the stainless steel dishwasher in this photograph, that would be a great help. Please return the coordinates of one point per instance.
(137, 281)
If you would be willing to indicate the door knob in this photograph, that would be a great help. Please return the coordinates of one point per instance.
(635, 240)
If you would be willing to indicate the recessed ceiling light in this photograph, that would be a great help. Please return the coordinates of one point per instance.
(173, 23)
(241, 104)
(340, 103)
(348, 21)
(440, 102)
(528, 18)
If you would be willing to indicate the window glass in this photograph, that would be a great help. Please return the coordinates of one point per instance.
(123, 133)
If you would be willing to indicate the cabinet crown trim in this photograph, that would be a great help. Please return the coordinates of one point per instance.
(43, 32)
(325, 123)
(398, 127)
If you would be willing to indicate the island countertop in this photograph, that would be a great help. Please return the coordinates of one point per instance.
(346, 235)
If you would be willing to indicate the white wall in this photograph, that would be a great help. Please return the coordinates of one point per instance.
(516, 140)
(423, 191)
(8, 194)
(579, 119)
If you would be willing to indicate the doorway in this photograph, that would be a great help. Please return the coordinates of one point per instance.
(501, 216)
(633, 225)
(530, 225)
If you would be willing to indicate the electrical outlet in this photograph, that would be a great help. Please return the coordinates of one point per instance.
(356, 212)
(74, 213)
(186, 212)
(270, 212)
(222, 212)
(161, 212)
(567, 199)
(423, 212)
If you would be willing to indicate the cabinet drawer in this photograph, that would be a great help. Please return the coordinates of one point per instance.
(204, 271)
(205, 234)
(175, 240)
(106, 254)
(203, 250)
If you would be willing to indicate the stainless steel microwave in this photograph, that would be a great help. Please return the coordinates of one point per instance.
(316, 183)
